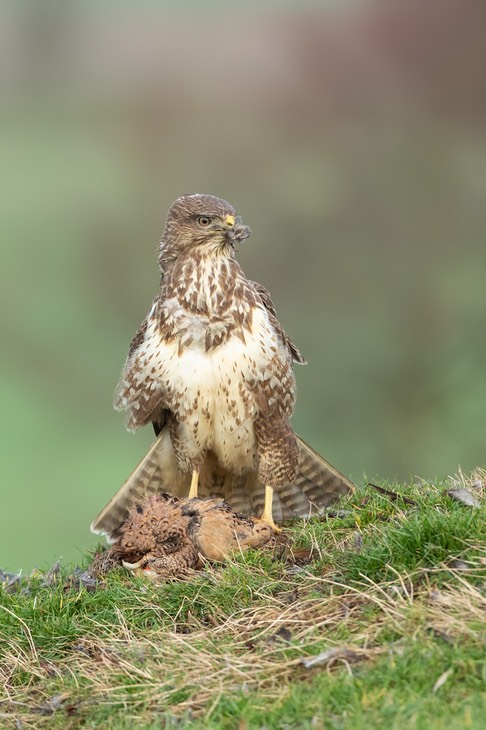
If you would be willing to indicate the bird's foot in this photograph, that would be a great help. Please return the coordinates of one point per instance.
(194, 485)
(268, 520)
(267, 515)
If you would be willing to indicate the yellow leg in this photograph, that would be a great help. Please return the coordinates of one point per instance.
(194, 483)
(267, 515)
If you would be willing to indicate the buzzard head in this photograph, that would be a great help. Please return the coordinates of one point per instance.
(201, 223)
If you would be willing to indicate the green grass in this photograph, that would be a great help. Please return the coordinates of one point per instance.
(397, 589)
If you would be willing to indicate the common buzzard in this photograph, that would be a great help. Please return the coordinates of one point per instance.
(212, 369)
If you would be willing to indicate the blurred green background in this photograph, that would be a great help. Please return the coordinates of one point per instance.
(349, 135)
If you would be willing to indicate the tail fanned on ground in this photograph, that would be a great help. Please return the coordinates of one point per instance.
(143, 481)
(317, 485)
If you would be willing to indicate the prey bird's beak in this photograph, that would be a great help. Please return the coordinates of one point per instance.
(230, 221)
(132, 566)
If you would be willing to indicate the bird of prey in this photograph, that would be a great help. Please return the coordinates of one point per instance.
(211, 368)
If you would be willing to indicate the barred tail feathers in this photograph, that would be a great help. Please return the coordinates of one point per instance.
(317, 485)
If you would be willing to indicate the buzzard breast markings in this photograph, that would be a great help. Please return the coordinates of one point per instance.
(214, 368)
(211, 368)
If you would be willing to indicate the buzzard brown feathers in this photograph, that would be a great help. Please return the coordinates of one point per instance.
(212, 369)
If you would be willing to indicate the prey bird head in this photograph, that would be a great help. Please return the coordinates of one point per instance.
(201, 223)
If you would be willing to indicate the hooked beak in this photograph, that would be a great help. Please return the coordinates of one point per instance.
(236, 231)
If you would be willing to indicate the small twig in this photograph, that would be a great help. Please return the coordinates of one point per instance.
(394, 496)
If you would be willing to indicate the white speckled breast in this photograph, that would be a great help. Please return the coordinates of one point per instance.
(211, 392)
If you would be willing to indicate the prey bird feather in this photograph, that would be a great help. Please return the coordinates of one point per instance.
(211, 368)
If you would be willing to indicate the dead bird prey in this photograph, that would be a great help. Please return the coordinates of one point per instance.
(211, 368)
(167, 538)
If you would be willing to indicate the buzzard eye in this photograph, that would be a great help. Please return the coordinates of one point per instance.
(204, 221)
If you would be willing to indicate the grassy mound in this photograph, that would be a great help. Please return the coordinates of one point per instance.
(373, 617)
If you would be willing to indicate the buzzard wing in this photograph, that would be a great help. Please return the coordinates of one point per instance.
(137, 393)
(267, 302)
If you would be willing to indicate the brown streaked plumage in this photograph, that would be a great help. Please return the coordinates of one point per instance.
(211, 368)
(167, 538)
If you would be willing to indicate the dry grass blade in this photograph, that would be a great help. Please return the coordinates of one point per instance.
(476, 480)
(442, 680)
(26, 629)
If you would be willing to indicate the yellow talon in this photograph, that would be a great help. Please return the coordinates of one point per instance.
(267, 515)
(194, 485)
